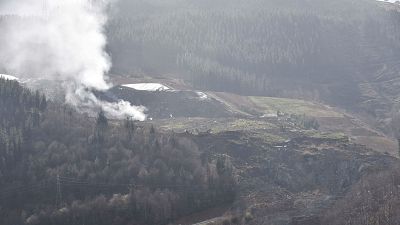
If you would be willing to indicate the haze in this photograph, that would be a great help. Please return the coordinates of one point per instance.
(212, 112)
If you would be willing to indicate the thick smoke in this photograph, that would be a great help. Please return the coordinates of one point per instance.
(61, 40)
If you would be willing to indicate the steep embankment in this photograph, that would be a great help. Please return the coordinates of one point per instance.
(294, 182)
(220, 111)
(343, 53)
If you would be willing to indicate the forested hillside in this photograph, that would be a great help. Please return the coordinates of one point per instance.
(277, 112)
(61, 167)
(341, 52)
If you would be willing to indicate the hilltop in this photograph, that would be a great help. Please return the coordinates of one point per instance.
(340, 53)
(287, 161)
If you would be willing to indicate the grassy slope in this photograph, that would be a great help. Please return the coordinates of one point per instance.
(250, 114)
(293, 106)
(251, 111)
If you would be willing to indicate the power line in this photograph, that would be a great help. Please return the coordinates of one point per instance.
(23, 189)
(73, 182)
(67, 179)
(59, 194)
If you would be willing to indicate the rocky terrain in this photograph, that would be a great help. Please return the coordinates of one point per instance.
(294, 160)
(287, 173)
(297, 182)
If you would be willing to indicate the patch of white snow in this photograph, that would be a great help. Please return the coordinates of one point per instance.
(202, 95)
(388, 1)
(8, 77)
(147, 87)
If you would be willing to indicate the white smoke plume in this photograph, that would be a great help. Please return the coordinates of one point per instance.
(61, 40)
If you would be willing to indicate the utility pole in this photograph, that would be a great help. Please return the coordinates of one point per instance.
(45, 9)
(398, 144)
(59, 194)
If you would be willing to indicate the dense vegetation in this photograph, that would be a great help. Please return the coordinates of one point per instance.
(61, 167)
(320, 50)
(374, 200)
(20, 113)
(340, 52)
(58, 166)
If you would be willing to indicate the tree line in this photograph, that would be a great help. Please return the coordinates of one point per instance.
(173, 177)
(259, 47)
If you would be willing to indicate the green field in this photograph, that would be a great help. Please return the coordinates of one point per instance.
(214, 125)
(293, 106)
